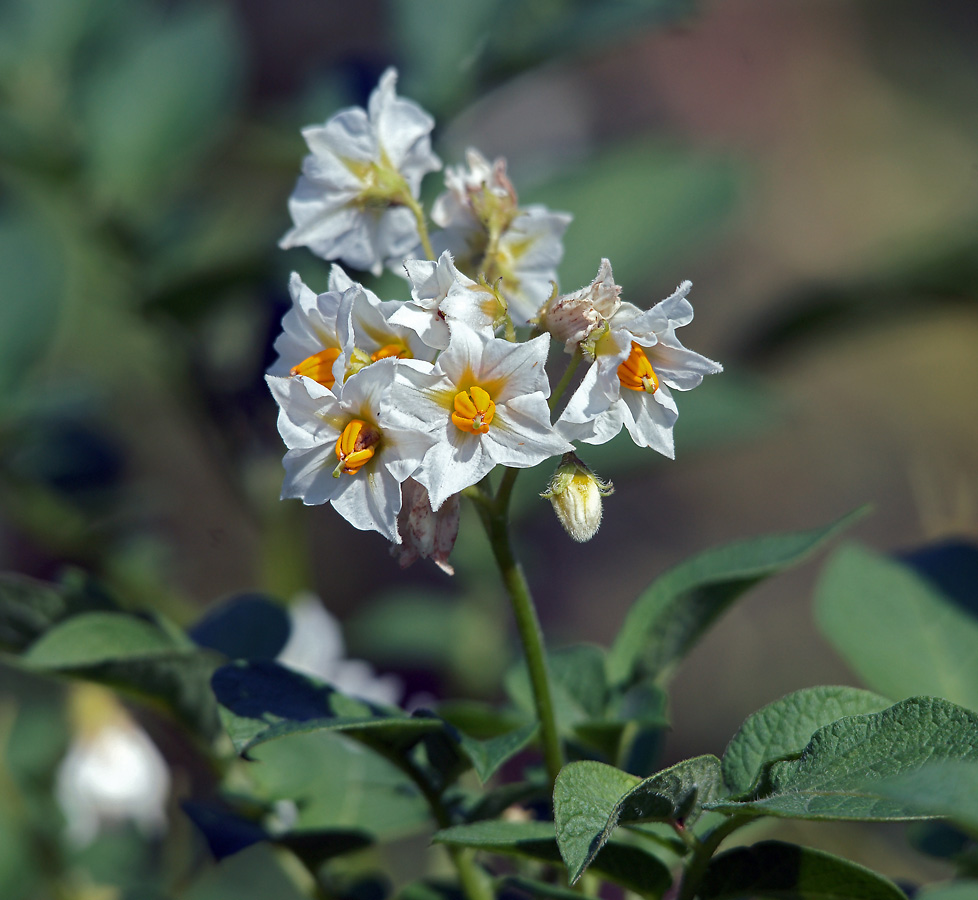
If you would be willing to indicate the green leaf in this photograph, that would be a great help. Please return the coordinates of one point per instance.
(97, 637)
(948, 789)
(487, 756)
(899, 633)
(262, 701)
(28, 608)
(785, 727)
(539, 888)
(628, 865)
(839, 773)
(667, 620)
(336, 785)
(577, 682)
(774, 869)
(592, 799)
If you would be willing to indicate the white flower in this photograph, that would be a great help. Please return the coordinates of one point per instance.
(344, 449)
(574, 317)
(484, 404)
(112, 771)
(637, 358)
(439, 293)
(490, 235)
(425, 534)
(332, 335)
(310, 341)
(365, 165)
(316, 647)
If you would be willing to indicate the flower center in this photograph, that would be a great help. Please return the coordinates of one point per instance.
(389, 350)
(355, 447)
(474, 410)
(319, 366)
(636, 372)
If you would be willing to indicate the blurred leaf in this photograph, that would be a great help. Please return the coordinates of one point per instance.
(536, 888)
(162, 101)
(256, 872)
(837, 774)
(773, 869)
(896, 631)
(31, 287)
(131, 654)
(336, 784)
(785, 727)
(592, 799)
(248, 626)
(577, 684)
(673, 200)
(262, 701)
(961, 890)
(28, 608)
(629, 866)
(667, 620)
(947, 788)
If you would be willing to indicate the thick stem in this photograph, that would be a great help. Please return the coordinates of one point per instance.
(703, 853)
(496, 520)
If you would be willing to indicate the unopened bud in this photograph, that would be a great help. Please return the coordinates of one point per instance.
(575, 493)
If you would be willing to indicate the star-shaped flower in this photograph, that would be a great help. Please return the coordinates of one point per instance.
(346, 449)
(365, 169)
(484, 403)
(637, 358)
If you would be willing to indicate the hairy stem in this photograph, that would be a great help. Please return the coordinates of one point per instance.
(495, 517)
(419, 217)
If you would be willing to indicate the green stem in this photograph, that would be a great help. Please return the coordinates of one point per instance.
(703, 852)
(565, 379)
(419, 217)
(474, 882)
(495, 517)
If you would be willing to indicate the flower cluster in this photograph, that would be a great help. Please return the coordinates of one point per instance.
(392, 409)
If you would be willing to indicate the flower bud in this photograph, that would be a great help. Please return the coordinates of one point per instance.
(575, 493)
(573, 318)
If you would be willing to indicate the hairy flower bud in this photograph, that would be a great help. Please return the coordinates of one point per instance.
(575, 493)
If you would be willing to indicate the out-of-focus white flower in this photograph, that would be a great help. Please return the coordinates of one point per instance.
(440, 293)
(112, 772)
(483, 404)
(637, 358)
(572, 318)
(316, 647)
(576, 495)
(425, 534)
(364, 169)
(345, 449)
(491, 236)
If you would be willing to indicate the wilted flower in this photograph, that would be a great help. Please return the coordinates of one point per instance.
(352, 201)
(425, 534)
(637, 358)
(484, 404)
(576, 493)
(572, 318)
(491, 236)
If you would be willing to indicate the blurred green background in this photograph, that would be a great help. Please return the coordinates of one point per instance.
(811, 166)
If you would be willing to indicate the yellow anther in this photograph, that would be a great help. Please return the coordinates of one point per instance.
(474, 410)
(319, 366)
(355, 447)
(388, 350)
(636, 372)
